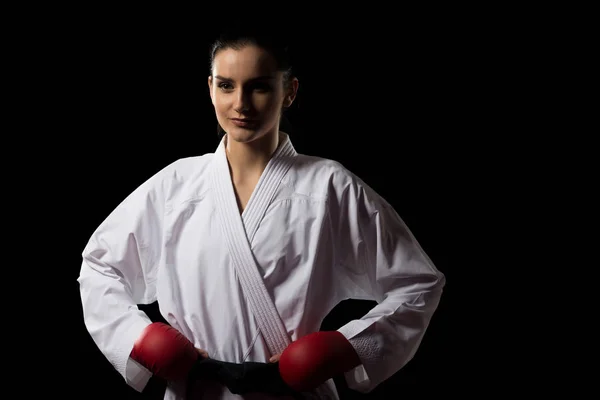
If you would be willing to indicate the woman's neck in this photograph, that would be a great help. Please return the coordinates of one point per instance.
(247, 161)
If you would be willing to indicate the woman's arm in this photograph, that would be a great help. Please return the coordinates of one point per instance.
(118, 271)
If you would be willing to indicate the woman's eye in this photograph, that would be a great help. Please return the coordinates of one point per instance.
(258, 87)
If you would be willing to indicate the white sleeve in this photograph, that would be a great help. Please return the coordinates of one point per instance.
(118, 272)
(379, 259)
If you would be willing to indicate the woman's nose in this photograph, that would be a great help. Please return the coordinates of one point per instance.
(242, 101)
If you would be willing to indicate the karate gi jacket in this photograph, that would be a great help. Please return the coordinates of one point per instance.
(314, 232)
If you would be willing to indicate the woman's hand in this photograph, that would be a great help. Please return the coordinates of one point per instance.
(313, 359)
(165, 352)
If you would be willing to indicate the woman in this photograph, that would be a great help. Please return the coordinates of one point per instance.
(247, 250)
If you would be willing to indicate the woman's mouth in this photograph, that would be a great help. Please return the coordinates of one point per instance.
(243, 122)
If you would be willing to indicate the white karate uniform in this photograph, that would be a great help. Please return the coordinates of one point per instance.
(316, 234)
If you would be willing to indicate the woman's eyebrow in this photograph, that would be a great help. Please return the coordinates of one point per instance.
(258, 78)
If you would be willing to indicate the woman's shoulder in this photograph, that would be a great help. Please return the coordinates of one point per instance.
(324, 167)
(324, 173)
(187, 166)
(176, 175)
(332, 179)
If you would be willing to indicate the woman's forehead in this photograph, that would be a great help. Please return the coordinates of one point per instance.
(245, 63)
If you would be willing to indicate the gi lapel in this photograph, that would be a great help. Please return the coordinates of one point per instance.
(238, 237)
(266, 187)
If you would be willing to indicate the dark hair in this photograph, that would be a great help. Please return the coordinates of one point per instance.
(276, 45)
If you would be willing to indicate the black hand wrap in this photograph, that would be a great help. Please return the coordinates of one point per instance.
(248, 377)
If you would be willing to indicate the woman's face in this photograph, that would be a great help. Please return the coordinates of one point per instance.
(248, 92)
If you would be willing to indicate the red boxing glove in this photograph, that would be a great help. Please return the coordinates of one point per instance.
(164, 351)
(315, 358)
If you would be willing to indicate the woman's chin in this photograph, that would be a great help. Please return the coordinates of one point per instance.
(243, 135)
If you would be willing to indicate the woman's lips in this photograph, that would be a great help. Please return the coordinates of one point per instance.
(243, 122)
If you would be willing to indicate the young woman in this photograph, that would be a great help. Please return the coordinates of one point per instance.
(247, 250)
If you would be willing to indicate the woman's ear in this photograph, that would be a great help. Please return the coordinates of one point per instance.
(292, 91)
(210, 92)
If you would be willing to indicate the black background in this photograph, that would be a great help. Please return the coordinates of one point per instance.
(470, 119)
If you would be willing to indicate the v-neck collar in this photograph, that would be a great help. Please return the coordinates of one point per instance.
(278, 165)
